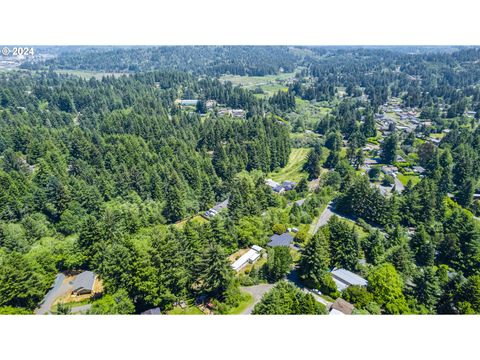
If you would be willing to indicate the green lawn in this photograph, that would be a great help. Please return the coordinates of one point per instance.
(247, 301)
(293, 171)
(88, 74)
(196, 219)
(405, 178)
(270, 84)
(190, 310)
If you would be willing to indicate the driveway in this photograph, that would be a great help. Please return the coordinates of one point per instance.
(60, 287)
(326, 215)
(257, 291)
(81, 309)
(295, 280)
(398, 185)
(323, 218)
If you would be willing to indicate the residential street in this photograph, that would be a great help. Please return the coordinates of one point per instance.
(294, 279)
(324, 217)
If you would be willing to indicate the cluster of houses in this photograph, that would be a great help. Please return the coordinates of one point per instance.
(281, 188)
(210, 213)
(210, 105)
(236, 113)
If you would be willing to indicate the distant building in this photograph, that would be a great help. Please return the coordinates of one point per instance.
(280, 188)
(344, 278)
(418, 169)
(281, 240)
(188, 102)
(154, 311)
(83, 283)
(238, 113)
(389, 170)
(216, 209)
(249, 257)
(300, 202)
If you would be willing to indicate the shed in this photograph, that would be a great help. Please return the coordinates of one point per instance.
(83, 283)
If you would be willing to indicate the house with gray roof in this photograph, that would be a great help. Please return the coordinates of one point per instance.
(83, 283)
(154, 311)
(344, 278)
(281, 240)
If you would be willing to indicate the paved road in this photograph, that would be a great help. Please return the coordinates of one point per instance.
(257, 291)
(323, 218)
(60, 287)
(295, 280)
(81, 309)
(326, 215)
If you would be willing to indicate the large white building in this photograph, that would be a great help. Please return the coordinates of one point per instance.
(249, 257)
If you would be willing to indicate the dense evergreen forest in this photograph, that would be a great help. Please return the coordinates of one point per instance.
(111, 174)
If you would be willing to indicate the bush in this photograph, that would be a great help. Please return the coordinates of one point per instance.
(388, 180)
(327, 286)
(374, 173)
(279, 229)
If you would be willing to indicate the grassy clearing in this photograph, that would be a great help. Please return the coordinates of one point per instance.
(88, 74)
(270, 84)
(70, 305)
(246, 302)
(190, 310)
(293, 171)
(405, 178)
(196, 219)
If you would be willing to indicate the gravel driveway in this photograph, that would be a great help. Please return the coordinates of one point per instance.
(59, 288)
(257, 291)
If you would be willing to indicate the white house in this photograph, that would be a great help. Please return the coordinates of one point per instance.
(249, 257)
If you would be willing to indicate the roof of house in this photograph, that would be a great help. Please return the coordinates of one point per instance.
(221, 205)
(257, 248)
(348, 278)
(84, 280)
(154, 311)
(300, 202)
(335, 312)
(188, 102)
(271, 183)
(418, 169)
(343, 306)
(250, 256)
(281, 240)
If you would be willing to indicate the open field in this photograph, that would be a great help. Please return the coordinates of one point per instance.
(244, 304)
(270, 84)
(405, 178)
(196, 219)
(88, 74)
(190, 310)
(293, 171)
